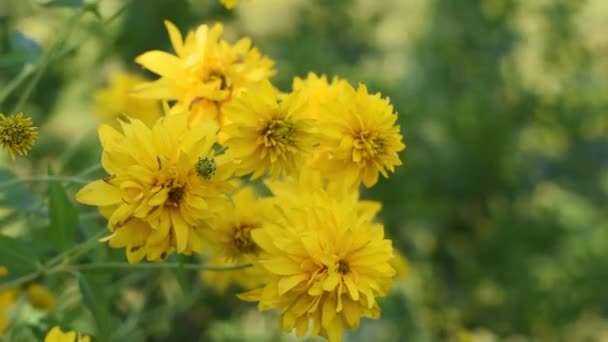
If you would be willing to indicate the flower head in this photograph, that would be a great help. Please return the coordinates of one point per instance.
(154, 198)
(17, 134)
(231, 242)
(360, 137)
(57, 335)
(328, 264)
(117, 100)
(317, 92)
(267, 134)
(206, 72)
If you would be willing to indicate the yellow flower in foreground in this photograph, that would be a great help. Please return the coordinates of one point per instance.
(17, 134)
(231, 242)
(57, 335)
(328, 264)
(360, 137)
(155, 198)
(7, 300)
(268, 135)
(317, 92)
(117, 100)
(206, 71)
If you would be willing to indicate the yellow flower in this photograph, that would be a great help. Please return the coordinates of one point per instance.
(229, 4)
(268, 135)
(7, 300)
(154, 198)
(41, 297)
(57, 335)
(117, 101)
(17, 134)
(360, 137)
(206, 71)
(232, 244)
(328, 264)
(317, 92)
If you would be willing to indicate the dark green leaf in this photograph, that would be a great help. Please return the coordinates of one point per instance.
(94, 300)
(64, 217)
(17, 255)
(14, 194)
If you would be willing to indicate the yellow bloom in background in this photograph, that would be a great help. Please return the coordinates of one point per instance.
(360, 137)
(7, 300)
(116, 101)
(231, 242)
(317, 92)
(328, 264)
(206, 71)
(41, 297)
(267, 135)
(229, 4)
(17, 134)
(155, 198)
(57, 335)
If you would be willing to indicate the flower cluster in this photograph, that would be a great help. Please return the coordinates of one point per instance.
(187, 179)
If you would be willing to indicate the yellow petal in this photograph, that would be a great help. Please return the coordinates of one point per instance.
(161, 63)
(99, 193)
(176, 37)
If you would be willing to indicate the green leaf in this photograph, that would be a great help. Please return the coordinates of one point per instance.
(63, 215)
(14, 194)
(93, 300)
(17, 255)
(63, 3)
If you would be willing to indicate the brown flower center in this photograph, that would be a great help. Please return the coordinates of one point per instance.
(343, 267)
(242, 240)
(176, 194)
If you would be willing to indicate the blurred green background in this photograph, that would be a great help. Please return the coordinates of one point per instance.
(501, 205)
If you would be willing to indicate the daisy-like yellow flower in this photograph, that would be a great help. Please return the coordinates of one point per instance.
(57, 335)
(360, 137)
(328, 264)
(268, 134)
(231, 242)
(7, 300)
(317, 91)
(117, 101)
(17, 134)
(155, 197)
(205, 73)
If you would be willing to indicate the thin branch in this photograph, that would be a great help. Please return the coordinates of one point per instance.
(44, 179)
(148, 266)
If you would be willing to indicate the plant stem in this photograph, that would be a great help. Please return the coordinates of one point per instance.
(44, 179)
(148, 266)
(19, 281)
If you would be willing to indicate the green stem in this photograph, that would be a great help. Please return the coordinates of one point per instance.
(44, 179)
(25, 72)
(45, 60)
(155, 266)
(19, 281)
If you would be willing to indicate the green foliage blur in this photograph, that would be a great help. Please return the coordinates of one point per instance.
(501, 206)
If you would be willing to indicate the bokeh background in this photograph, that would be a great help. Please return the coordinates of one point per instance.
(501, 206)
